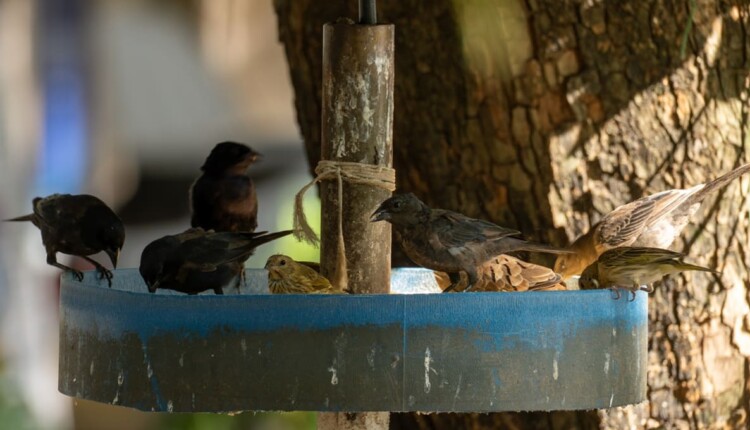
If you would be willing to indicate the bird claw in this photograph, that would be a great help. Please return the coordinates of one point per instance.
(103, 273)
(632, 299)
(617, 293)
(77, 274)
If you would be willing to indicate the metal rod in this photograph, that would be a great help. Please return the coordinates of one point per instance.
(368, 14)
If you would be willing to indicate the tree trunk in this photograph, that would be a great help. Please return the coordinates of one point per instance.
(543, 115)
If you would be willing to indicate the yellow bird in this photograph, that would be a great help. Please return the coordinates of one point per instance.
(633, 269)
(653, 221)
(286, 276)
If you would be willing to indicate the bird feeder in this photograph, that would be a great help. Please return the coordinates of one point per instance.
(407, 351)
(373, 351)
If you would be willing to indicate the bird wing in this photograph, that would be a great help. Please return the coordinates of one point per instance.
(622, 226)
(636, 256)
(457, 230)
(213, 249)
(59, 210)
(511, 274)
(506, 273)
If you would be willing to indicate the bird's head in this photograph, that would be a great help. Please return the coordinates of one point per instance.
(278, 265)
(401, 209)
(230, 156)
(568, 265)
(153, 259)
(582, 253)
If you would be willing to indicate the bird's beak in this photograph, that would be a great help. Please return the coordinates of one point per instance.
(254, 156)
(113, 256)
(381, 214)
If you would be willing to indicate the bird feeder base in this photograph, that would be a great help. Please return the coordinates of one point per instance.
(460, 352)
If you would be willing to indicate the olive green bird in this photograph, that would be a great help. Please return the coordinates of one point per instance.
(634, 269)
(286, 276)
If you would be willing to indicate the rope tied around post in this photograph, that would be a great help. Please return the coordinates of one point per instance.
(356, 173)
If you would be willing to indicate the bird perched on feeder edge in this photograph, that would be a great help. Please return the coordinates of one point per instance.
(630, 268)
(448, 241)
(197, 260)
(506, 273)
(77, 224)
(286, 276)
(223, 198)
(653, 221)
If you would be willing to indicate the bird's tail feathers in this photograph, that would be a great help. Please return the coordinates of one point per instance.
(29, 217)
(243, 252)
(522, 245)
(263, 238)
(718, 183)
(687, 266)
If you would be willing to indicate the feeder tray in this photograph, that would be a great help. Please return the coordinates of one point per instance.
(460, 352)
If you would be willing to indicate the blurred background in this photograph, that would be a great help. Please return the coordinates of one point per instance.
(124, 99)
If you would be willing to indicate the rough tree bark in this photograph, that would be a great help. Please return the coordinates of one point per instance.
(543, 115)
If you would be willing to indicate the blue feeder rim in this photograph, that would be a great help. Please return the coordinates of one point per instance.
(458, 352)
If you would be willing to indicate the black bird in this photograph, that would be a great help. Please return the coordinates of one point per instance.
(223, 198)
(449, 241)
(77, 224)
(197, 260)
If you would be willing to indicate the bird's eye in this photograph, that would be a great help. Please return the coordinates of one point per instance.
(282, 263)
(396, 205)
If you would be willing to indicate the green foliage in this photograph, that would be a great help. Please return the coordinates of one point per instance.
(300, 251)
(244, 421)
(13, 412)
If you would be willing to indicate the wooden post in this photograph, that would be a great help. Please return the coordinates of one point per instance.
(357, 126)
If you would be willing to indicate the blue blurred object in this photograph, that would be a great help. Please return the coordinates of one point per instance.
(64, 154)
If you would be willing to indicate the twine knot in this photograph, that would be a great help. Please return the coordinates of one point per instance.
(356, 173)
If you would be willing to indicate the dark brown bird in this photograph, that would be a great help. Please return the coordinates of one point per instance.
(286, 276)
(223, 197)
(506, 273)
(197, 260)
(653, 221)
(447, 241)
(77, 224)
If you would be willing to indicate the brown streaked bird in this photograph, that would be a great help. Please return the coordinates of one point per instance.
(506, 273)
(286, 276)
(223, 198)
(634, 268)
(653, 221)
(197, 260)
(77, 224)
(448, 241)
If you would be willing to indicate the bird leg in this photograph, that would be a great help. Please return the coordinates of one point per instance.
(615, 289)
(455, 278)
(219, 291)
(52, 261)
(242, 280)
(101, 270)
(632, 299)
